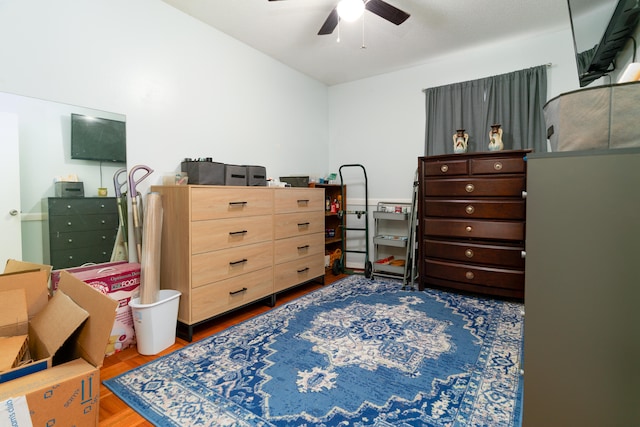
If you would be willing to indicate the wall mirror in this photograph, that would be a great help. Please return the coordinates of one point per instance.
(44, 153)
(601, 29)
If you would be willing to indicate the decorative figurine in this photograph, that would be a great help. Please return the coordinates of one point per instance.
(460, 139)
(495, 138)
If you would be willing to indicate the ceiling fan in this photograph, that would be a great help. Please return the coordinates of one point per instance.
(379, 7)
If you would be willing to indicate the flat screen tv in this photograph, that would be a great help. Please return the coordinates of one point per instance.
(96, 138)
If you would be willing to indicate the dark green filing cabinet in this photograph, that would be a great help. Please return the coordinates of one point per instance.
(81, 230)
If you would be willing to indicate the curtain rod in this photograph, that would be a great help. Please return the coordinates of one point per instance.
(548, 65)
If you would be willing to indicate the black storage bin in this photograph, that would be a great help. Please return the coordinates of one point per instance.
(235, 175)
(205, 172)
(256, 176)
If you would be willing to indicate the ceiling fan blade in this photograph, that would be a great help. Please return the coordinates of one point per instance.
(330, 24)
(386, 11)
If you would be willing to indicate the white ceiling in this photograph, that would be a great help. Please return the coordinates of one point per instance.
(287, 31)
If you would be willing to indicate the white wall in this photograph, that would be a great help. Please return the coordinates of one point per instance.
(380, 121)
(186, 90)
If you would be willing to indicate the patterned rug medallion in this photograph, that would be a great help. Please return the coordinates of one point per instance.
(358, 352)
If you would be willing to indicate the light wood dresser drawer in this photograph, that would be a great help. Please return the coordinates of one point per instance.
(230, 202)
(293, 272)
(219, 265)
(296, 224)
(215, 234)
(298, 247)
(220, 297)
(288, 200)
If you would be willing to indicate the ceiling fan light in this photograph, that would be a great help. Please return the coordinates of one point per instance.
(350, 10)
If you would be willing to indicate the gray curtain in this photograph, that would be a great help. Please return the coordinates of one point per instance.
(514, 100)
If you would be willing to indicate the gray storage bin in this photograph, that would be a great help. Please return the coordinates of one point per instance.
(235, 175)
(256, 176)
(205, 173)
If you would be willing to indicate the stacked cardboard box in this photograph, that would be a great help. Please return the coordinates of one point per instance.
(59, 381)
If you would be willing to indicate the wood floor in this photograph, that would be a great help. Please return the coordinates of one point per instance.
(114, 412)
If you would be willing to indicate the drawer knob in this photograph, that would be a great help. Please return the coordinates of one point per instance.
(68, 206)
(523, 254)
(469, 275)
(103, 222)
(444, 168)
(469, 188)
(469, 209)
(468, 228)
(69, 223)
(468, 253)
(70, 240)
(497, 166)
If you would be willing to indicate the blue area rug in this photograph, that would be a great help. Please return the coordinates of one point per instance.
(358, 352)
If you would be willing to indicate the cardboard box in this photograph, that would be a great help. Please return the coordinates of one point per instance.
(66, 391)
(55, 274)
(121, 282)
(65, 395)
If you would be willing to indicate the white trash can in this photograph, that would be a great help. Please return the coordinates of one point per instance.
(155, 324)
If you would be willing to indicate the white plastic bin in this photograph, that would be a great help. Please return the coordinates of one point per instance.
(155, 324)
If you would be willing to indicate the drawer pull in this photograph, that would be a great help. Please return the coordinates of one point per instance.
(70, 240)
(303, 270)
(238, 291)
(101, 206)
(303, 201)
(303, 224)
(444, 168)
(468, 228)
(233, 233)
(469, 188)
(524, 194)
(523, 254)
(68, 206)
(468, 253)
(242, 261)
(469, 275)
(104, 237)
(303, 247)
(469, 209)
(69, 224)
(103, 222)
(497, 166)
(236, 204)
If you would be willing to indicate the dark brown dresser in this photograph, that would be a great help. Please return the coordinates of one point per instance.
(471, 224)
(81, 230)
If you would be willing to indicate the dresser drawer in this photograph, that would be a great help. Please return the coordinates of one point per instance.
(218, 265)
(289, 200)
(474, 275)
(446, 167)
(497, 165)
(220, 297)
(229, 202)
(476, 187)
(83, 222)
(214, 234)
(295, 272)
(82, 206)
(81, 239)
(472, 252)
(67, 258)
(476, 208)
(298, 247)
(296, 224)
(477, 229)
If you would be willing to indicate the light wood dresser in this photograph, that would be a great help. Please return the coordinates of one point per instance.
(224, 247)
(472, 222)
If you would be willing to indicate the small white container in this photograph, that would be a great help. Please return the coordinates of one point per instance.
(155, 324)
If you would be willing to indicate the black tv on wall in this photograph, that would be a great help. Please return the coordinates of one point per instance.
(96, 138)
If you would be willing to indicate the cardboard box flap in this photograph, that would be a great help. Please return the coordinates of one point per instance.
(55, 324)
(94, 334)
(13, 313)
(14, 266)
(35, 284)
(12, 349)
